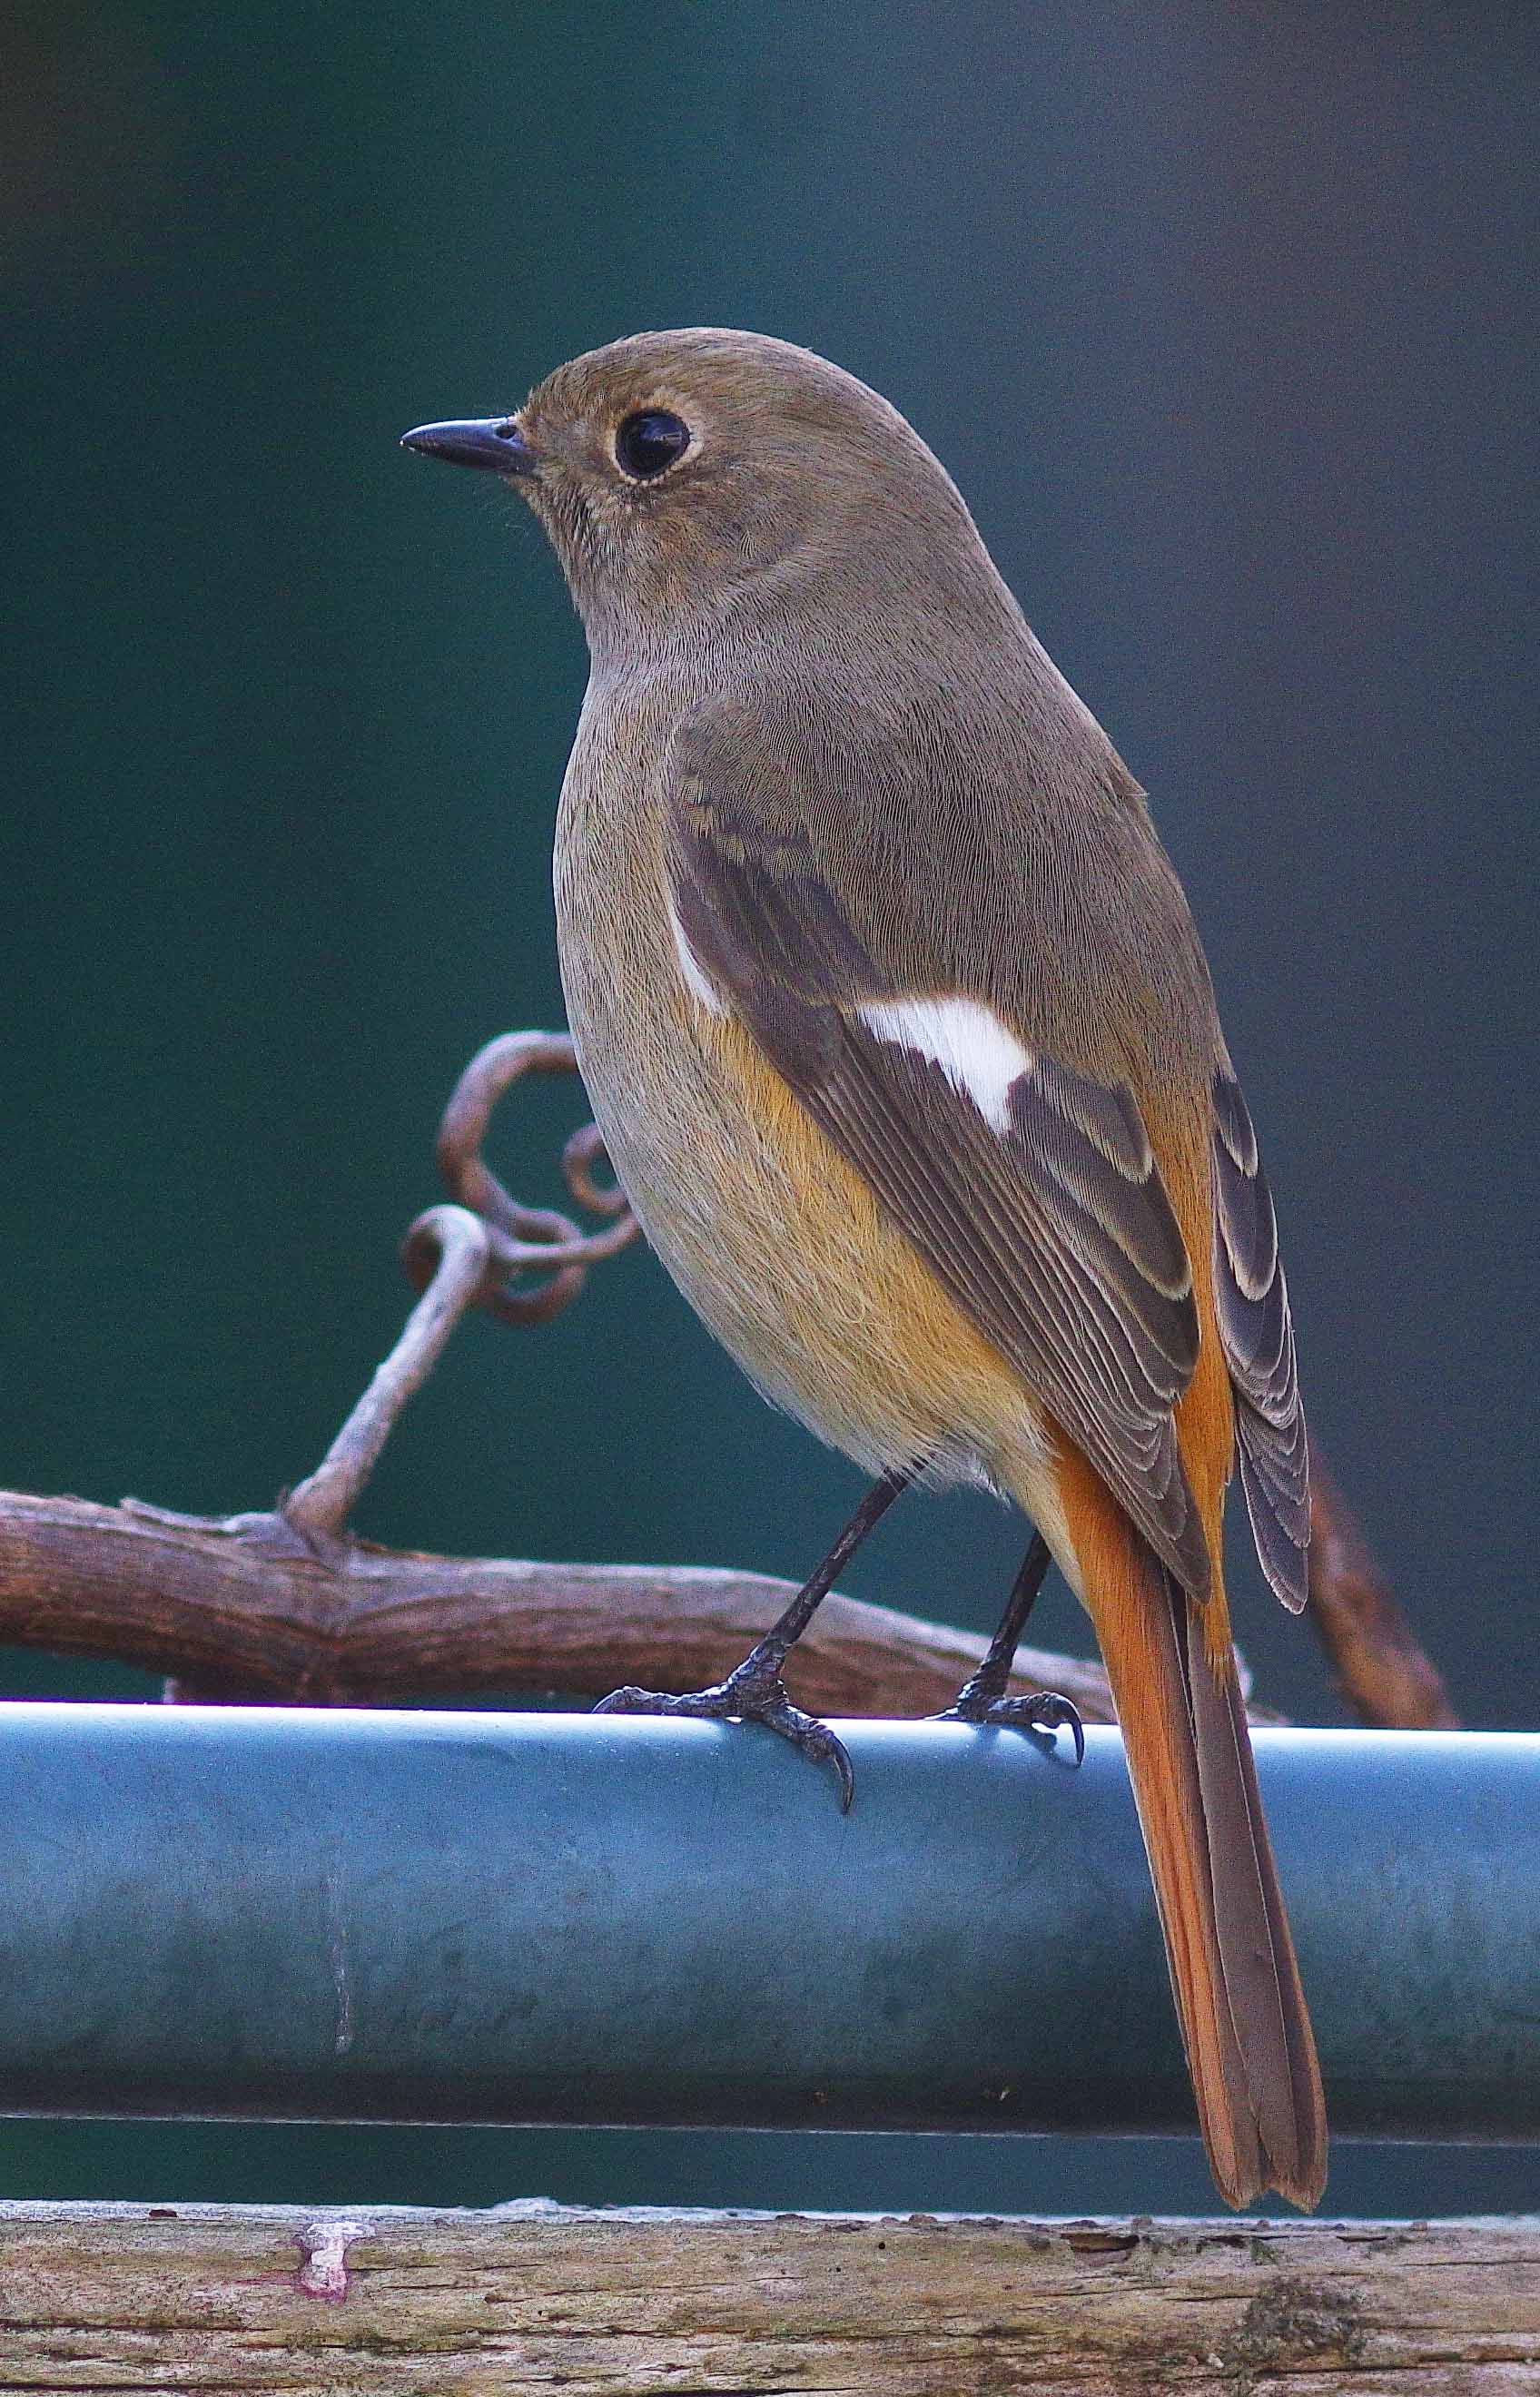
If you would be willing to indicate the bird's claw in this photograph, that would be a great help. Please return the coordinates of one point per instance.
(755, 1693)
(1040, 1716)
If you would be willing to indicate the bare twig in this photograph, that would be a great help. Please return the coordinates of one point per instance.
(466, 1256)
(523, 1236)
(244, 1609)
(1385, 1674)
(319, 1509)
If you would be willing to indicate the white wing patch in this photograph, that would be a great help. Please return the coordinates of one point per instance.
(978, 1057)
(691, 970)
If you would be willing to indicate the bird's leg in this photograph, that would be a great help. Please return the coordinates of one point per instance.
(981, 1699)
(753, 1691)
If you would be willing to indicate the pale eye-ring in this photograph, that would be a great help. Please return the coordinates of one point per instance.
(647, 441)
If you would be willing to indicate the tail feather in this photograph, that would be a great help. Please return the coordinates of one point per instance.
(1308, 2097)
(1257, 1964)
(1245, 2026)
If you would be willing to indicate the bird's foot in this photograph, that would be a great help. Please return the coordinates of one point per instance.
(1041, 1716)
(754, 1692)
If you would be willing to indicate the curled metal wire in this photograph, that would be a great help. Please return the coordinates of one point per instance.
(520, 1239)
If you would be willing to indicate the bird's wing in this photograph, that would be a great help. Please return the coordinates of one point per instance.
(1252, 1300)
(1029, 1190)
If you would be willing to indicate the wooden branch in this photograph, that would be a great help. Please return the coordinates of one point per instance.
(388, 2300)
(1386, 1676)
(244, 1608)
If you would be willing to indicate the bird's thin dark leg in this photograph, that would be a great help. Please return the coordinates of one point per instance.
(753, 1691)
(981, 1699)
(989, 1682)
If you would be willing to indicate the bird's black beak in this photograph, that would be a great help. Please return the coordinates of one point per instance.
(494, 442)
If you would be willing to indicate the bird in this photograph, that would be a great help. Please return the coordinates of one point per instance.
(900, 1036)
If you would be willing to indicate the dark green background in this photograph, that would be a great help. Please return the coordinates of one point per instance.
(1221, 314)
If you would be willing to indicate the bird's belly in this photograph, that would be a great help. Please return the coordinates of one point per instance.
(777, 1243)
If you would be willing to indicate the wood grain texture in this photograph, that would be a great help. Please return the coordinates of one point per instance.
(242, 1607)
(403, 2303)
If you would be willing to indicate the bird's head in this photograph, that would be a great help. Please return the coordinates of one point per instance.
(683, 477)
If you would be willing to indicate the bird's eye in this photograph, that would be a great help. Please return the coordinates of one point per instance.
(647, 441)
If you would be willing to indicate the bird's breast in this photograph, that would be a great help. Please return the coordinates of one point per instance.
(775, 1240)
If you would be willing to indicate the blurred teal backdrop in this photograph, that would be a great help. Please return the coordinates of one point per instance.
(1221, 314)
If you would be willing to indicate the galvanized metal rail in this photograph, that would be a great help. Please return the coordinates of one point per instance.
(455, 1917)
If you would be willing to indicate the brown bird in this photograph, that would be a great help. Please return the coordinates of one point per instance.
(900, 1039)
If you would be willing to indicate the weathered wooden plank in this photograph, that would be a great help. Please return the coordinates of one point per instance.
(403, 2303)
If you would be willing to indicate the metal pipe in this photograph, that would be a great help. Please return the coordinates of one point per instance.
(539, 1918)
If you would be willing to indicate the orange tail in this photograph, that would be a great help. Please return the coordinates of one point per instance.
(1250, 2050)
